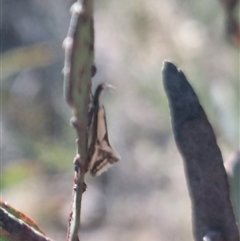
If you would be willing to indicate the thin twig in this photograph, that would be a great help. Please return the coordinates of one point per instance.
(18, 229)
(78, 71)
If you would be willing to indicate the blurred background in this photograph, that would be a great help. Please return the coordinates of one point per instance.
(144, 196)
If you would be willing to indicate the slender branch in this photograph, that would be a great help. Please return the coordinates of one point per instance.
(78, 71)
(213, 217)
(232, 165)
(18, 229)
(232, 27)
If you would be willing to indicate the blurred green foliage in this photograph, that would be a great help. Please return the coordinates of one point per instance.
(20, 59)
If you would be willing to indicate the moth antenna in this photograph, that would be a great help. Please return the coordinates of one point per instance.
(97, 94)
(111, 88)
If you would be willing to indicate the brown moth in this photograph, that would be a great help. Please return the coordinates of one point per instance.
(101, 155)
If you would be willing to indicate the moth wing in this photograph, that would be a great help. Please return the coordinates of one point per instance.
(104, 156)
(101, 161)
(102, 135)
(100, 165)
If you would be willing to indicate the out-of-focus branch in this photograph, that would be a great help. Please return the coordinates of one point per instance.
(17, 60)
(232, 165)
(78, 71)
(18, 230)
(213, 217)
(232, 22)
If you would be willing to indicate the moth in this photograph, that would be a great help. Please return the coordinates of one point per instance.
(101, 155)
